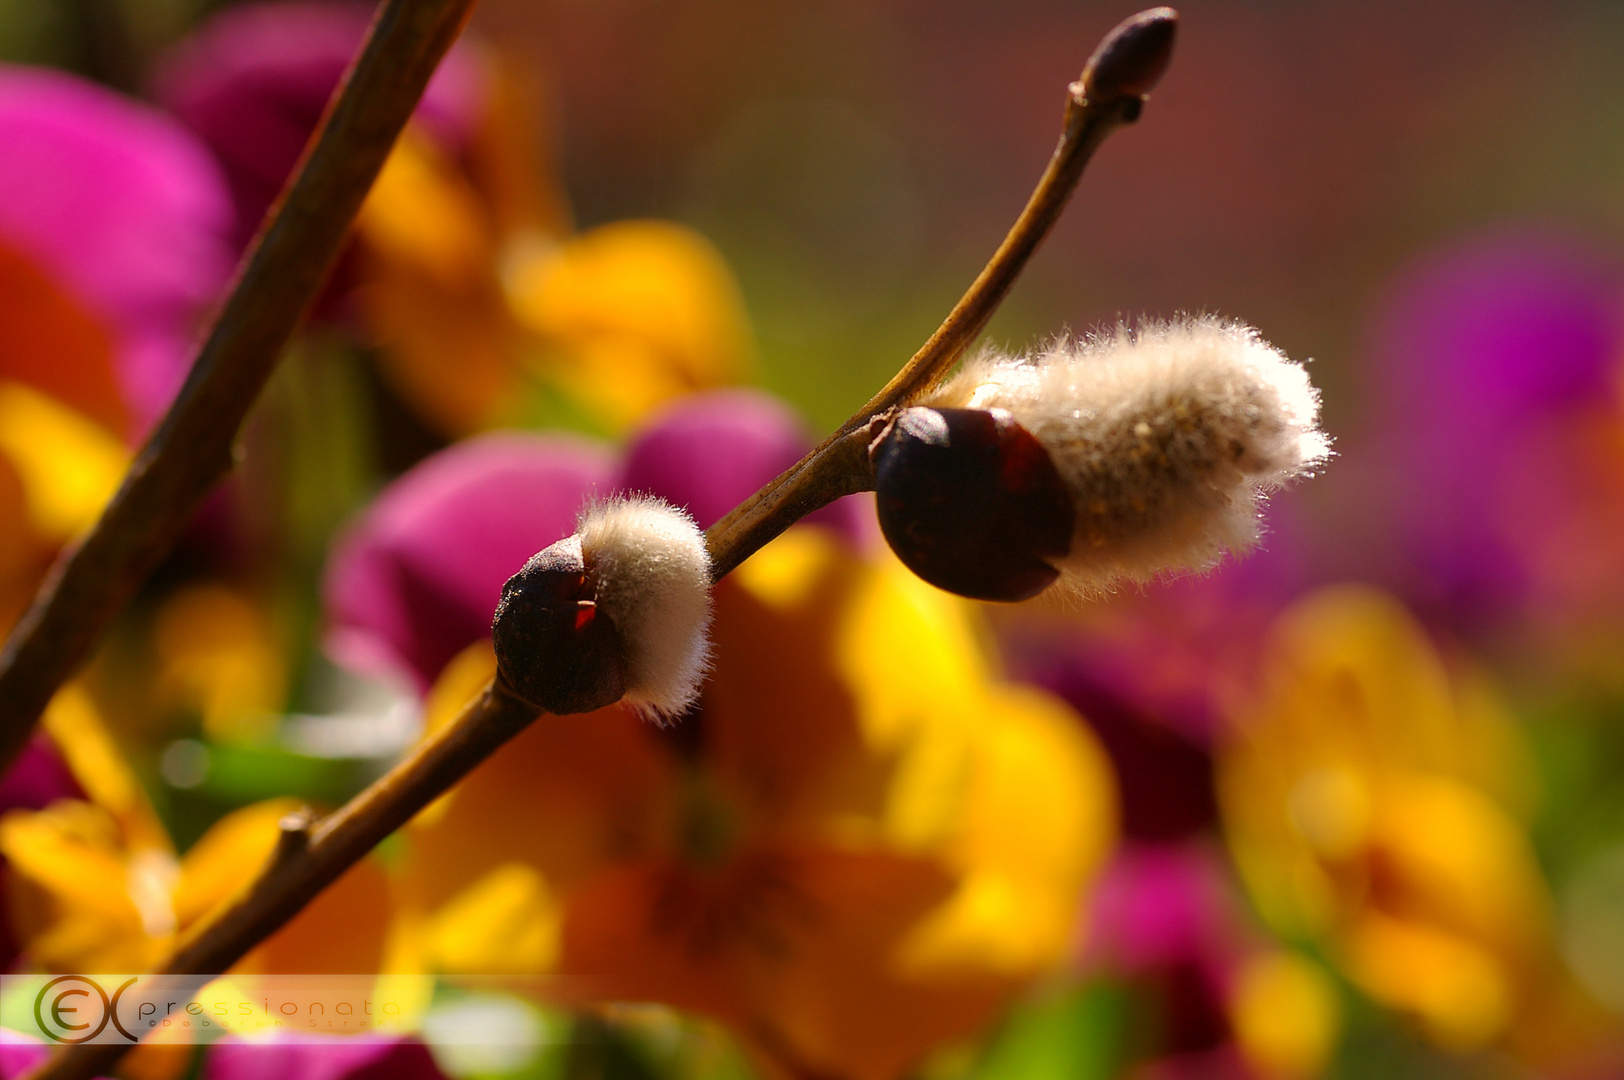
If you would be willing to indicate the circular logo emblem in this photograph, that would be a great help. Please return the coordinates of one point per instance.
(75, 1009)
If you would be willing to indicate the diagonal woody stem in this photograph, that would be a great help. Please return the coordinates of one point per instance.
(312, 856)
(192, 449)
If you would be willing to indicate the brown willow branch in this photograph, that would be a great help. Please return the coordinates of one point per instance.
(191, 449)
(1109, 94)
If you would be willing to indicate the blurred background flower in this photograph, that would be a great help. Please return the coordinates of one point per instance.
(1359, 830)
(111, 246)
(465, 273)
(831, 855)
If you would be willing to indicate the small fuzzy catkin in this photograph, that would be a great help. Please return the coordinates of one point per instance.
(652, 576)
(1166, 435)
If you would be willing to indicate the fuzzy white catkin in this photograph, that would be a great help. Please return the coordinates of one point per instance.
(1167, 435)
(653, 581)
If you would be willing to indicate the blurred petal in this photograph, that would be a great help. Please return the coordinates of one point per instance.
(359, 1057)
(417, 577)
(75, 726)
(19, 1054)
(507, 920)
(158, 1058)
(1158, 905)
(218, 656)
(1164, 775)
(55, 344)
(709, 451)
(1497, 327)
(793, 949)
(342, 931)
(90, 879)
(37, 778)
(811, 761)
(1286, 1015)
(1360, 796)
(71, 902)
(1473, 347)
(592, 787)
(1036, 821)
(69, 465)
(24, 554)
(421, 210)
(1461, 991)
(642, 311)
(431, 296)
(917, 651)
(124, 210)
(254, 80)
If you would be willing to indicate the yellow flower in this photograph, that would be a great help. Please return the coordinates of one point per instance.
(490, 312)
(217, 655)
(58, 468)
(1372, 802)
(95, 884)
(859, 846)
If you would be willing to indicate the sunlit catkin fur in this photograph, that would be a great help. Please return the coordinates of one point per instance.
(652, 576)
(1167, 435)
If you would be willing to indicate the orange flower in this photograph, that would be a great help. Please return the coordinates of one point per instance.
(859, 847)
(488, 311)
(491, 313)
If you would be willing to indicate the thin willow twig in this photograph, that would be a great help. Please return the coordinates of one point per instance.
(192, 448)
(1109, 94)
(312, 856)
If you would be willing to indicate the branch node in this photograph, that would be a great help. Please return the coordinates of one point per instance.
(294, 836)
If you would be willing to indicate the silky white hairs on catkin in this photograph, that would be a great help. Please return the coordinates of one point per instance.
(1166, 434)
(652, 572)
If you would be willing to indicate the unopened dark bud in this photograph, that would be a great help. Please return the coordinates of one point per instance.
(555, 647)
(971, 502)
(1133, 57)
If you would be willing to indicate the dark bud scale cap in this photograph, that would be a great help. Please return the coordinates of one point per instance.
(1133, 57)
(555, 648)
(971, 502)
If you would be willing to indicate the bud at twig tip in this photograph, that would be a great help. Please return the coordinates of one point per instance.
(1132, 58)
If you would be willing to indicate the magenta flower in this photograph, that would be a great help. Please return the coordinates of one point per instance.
(1161, 905)
(123, 213)
(1162, 918)
(37, 779)
(254, 80)
(359, 1057)
(415, 579)
(1163, 765)
(709, 452)
(1482, 355)
(20, 1055)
